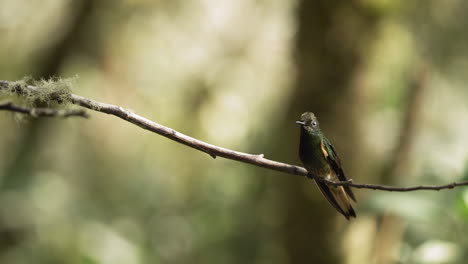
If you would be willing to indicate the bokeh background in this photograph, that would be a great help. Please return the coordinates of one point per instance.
(385, 77)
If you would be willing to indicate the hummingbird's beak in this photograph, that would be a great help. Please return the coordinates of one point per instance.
(300, 122)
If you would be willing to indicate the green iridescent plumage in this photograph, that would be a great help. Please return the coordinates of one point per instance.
(320, 159)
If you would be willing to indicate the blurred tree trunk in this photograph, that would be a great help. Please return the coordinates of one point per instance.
(20, 171)
(330, 39)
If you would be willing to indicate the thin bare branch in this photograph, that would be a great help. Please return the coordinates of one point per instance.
(396, 189)
(212, 150)
(42, 112)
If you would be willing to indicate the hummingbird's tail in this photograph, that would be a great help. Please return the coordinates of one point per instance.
(338, 198)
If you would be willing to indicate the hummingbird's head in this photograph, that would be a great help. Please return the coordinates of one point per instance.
(309, 122)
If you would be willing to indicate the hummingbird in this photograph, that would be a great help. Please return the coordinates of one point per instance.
(321, 160)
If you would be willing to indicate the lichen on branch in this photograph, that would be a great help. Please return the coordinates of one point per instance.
(47, 92)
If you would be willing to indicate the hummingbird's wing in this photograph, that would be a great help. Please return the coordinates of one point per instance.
(335, 162)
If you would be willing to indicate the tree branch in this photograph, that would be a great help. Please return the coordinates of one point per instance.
(212, 150)
(42, 112)
(395, 189)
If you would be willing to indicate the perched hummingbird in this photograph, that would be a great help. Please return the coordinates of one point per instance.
(320, 159)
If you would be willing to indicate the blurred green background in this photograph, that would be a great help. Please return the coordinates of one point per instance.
(385, 78)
